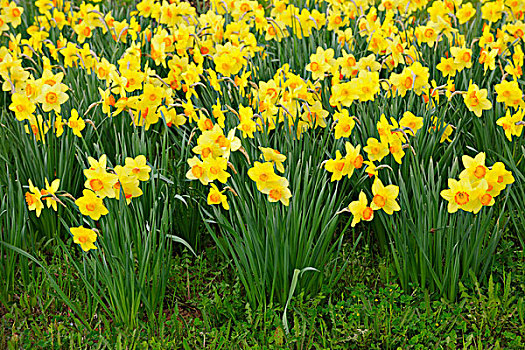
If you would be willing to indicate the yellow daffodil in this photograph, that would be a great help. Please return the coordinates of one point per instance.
(33, 199)
(375, 149)
(509, 92)
(139, 167)
(263, 174)
(458, 195)
(91, 205)
(384, 197)
(75, 123)
(215, 169)
(353, 158)
(85, 237)
(274, 156)
(52, 97)
(475, 168)
(498, 178)
(101, 182)
(345, 124)
(360, 210)
(512, 124)
(476, 99)
(217, 197)
(49, 192)
(278, 191)
(22, 106)
(411, 122)
(338, 167)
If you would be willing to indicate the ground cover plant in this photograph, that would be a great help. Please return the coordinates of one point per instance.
(267, 174)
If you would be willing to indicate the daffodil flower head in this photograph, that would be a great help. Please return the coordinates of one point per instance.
(263, 174)
(360, 210)
(475, 168)
(49, 192)
(33, 199)
(138, 167)
(85, 237)
(217, 197)
(91, 205)
(384, 197)
(273, 155)
(459, 195)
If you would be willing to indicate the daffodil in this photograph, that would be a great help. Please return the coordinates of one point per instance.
(476, 99)
(371, 168)
(462, 57)
(375, 149)
(91, 205)
(278, 191)
(100, 164)
(274, 156)
(348, 64)
(49, 192)
(22, 106)
(360, 210)
(33, 199)
(59, 125)
(366, 85)
(315, 115)
(218, 114)
(396, 149)
(465, 13)
(204, 123)
(411, 122)
(320, 63)
(101, 182)
(481, 197)
(13, 14)
(509, 92)
(85, 237)
(138, 167)
(488, 59)
(437, 125)
(384, 197)
(52, 97)
(263, 174)
(498, 178)
(458, 195)
(215, 169)
(197, 171)
(512, 123)
(38, 127)
(338, 167)
(217, 197)
(126, 184)
(353, 158)
(345, 124)
(447, 67)
(75, 123)
(475, 168)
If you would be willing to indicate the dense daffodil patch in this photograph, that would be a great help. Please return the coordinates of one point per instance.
(376, 86)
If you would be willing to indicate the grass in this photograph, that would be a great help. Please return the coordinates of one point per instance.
(204, 307)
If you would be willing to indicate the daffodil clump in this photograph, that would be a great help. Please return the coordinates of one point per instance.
(35, 197)
(384, 198)
(100, 184)
(172, 53)
(393, 140)
(242, 97)
(477, 186)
